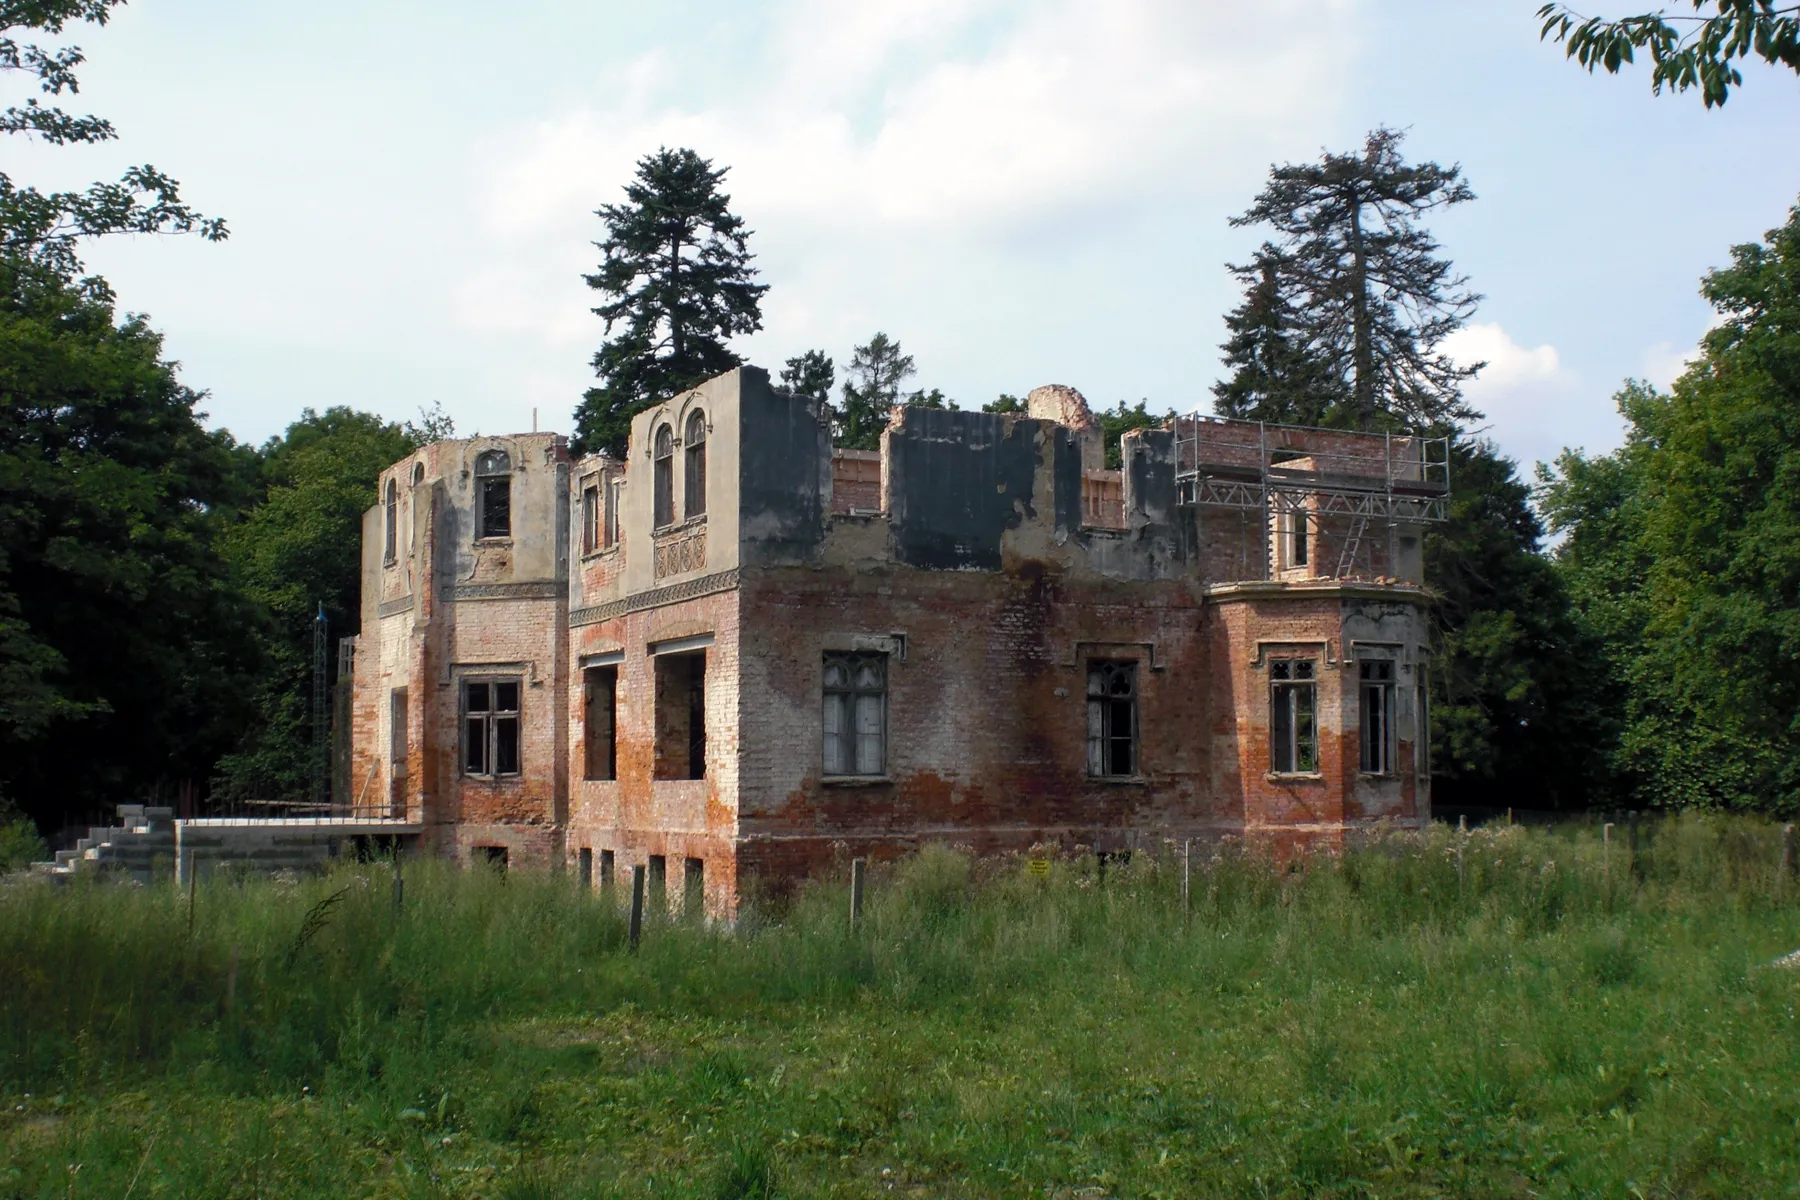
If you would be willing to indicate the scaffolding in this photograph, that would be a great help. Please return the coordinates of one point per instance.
(1314, 474)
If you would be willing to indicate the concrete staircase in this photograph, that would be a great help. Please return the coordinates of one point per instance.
(149, 844)
(141, 845)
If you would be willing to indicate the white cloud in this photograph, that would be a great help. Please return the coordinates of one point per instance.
(1534, 406)
(1509, 365)
(923, 166)
(1665, 362)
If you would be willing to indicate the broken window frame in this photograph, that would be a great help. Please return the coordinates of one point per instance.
(1422, 736)
(391, 554)
(662, 470)
(615, 498)
(853, 724)
(493, 492)
(1376, 689)
(1294, 716)
(1112, 701)
(490, 731)
(590, 516)
(693, 472)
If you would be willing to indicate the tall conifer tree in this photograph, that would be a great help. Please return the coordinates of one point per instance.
(678, 282)
(1273, 377)
(871, 390)
(1373, 299)
(810, 374)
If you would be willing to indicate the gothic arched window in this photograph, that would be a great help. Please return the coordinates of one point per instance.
(391, 550)
(693, 486)
(493, 488)
(664, 482)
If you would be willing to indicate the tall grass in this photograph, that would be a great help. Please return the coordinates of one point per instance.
(1509, 1012)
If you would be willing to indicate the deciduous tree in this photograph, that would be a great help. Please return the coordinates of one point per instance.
(1683, 548)
(45, 228)
(1685, 51)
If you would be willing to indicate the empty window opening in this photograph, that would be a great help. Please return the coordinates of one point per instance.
(1292, 530)
(1293, 724)
(584, 867)
(391, 554)
(1112, 715)
(490, 727)
(418, 475)
(599, 725)
(397, 741)
(590, 518)
(493, 479)
(693, 887)
(663, 478)
(491, 857)
(1376, 713)
(608, 868)
(656, 883)
(681, 716)
(693, 479)
(855, 714)
(615, 496)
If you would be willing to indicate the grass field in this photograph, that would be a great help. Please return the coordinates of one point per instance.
(1495, 1015)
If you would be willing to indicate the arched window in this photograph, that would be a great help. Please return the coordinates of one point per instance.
(664, 482)
(418, 474)
(390, 553)
(493, 490)
(693, 486)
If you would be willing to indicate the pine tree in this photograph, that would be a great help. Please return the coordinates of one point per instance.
(810, 374)
(875, 373)
(678, 282)
(1273, 377)
(1373, 299)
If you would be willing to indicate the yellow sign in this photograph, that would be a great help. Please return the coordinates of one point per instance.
(1038, 868)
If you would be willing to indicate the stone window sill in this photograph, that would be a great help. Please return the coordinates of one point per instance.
(600, 552)
(852, 781)
(494, 779)
(493, 543)
(1294, 777)
(1124, 780)
(679, 526)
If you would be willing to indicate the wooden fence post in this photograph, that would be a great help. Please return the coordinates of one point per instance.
(1606, 848)
(859, 869)
(1187, 879)
(637, 904)
(399, 885)
(1790, 853)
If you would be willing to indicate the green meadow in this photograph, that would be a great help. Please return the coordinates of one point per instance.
(1511, 1013)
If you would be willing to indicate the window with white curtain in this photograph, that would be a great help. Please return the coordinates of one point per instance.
(855, 714)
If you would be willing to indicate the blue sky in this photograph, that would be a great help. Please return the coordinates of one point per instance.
(1021, 193)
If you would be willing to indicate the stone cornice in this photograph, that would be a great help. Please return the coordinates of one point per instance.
(688, 589)
(536, 589)
(1312, 589)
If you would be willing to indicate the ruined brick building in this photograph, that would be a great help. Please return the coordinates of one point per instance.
(739, 652)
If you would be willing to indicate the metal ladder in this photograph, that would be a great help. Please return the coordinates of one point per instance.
(1347, 555)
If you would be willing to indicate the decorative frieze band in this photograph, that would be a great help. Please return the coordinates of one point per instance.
(677, 554)
(394, 607)
(537, 589)
(688, 589)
